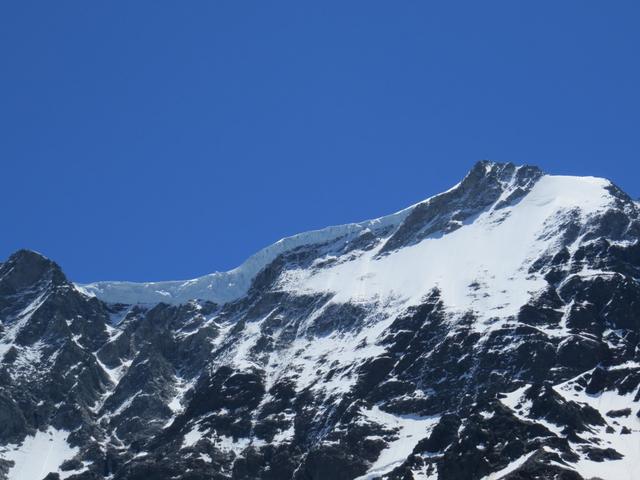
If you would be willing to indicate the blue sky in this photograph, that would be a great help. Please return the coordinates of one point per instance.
(154, 140)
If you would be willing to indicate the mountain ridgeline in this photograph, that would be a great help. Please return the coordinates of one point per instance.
(488, 332)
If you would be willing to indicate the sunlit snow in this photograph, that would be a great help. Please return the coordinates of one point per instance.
(483, 253)
(38, 455)
(410, 429)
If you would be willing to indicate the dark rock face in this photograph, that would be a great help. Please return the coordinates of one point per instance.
(483, 186)
(288, 383)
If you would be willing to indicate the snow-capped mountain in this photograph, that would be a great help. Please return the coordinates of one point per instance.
(488, 332)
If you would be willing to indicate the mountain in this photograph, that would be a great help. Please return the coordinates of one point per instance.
(488, 332)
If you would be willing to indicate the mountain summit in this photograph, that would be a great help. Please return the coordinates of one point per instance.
(488, 332)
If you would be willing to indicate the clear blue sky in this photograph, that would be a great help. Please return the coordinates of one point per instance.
(154, 140)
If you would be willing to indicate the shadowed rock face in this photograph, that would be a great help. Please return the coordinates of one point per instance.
(303, 378)
(485, 185)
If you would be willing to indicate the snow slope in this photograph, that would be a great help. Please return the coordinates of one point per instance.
(492, 270)
(38, 455)
(480, 249)
(222, 287)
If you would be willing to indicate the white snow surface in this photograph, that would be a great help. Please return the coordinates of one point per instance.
(512, 467)
(192, 437)
(495, 248)
(38, 455)
(493, 253)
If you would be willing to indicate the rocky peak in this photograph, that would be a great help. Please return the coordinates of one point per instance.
(487, 184)
(25, 269)
(502, 172)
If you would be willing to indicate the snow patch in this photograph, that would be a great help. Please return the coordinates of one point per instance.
(192, 437)
(410, 429)
(38, 455)
(512, 467)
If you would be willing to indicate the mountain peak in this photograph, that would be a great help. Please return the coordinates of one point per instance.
(487, 166)
(27, 255)
(25, 268)
(501, 171)
(487, 183)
